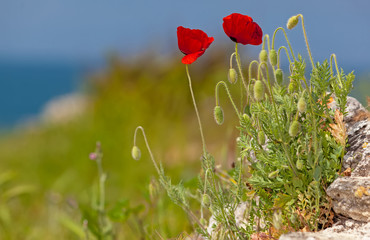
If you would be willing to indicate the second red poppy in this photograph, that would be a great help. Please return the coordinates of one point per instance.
(193, 43)
(241, 29)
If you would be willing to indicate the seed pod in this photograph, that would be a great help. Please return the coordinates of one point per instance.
(279, 76)
(136, 153)
(261, 138)
(277, 219)
(263, 55)
(292, 86)
(273, 57)
(232, 76)
(292, 22)
(258, 90)
(218, 115)
(294, 128)
(203, 221)
(206, 200)
(273, 174)
(301, 105)
(153, 190)
(299, 164)
(246, 117)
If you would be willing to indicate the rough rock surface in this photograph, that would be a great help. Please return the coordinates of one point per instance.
(350, 195)
(345, 229)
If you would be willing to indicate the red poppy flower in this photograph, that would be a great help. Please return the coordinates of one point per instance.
(193, 43)
(241, 29)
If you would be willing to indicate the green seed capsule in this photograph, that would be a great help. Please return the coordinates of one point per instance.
(258, 90)
(203, 221)
(263, 55)
(261, 138)
(136, 153)
(292, 86)
(273, 174)
(273, 57)
(294, 128)
(206, 200)
(277, 219)
(301, 105)
(232, 76)
(246, 117)
(299, 164)
(219, 115)
(292, 22)
(279, 76)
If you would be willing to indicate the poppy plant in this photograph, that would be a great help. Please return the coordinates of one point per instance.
(193, 43)
(241, 29)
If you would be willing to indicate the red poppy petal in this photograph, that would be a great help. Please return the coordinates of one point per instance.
(234, 26)
(255, 33)
(190, 58)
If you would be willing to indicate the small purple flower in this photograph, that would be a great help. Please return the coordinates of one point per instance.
(93, 156)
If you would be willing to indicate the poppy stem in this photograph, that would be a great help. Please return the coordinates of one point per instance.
(286, 38)
(228, 94)
(196, 111)
(241, 74)
(147, 146)
(306, 39)
(278, 55)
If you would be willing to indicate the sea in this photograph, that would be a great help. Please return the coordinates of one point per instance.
(26, 86)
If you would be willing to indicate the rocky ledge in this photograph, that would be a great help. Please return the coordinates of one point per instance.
(350, 193)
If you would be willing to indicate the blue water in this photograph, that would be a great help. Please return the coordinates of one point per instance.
(25, 87)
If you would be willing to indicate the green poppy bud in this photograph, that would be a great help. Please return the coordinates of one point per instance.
(246, 117)
(292, 86)
(136, 153)
(277, 219)
(273, 174)
(279, 76)
(263, 55)
(206, 200)
(203, 221)
(292, 22)
(294, 128)
(232, 76)
(153, 190)
(261, 138)
(299, 164)
(219, 115)
(301, 105)
(273, 57)
(258, 90)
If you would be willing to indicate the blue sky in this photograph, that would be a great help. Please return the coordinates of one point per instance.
(85, 30)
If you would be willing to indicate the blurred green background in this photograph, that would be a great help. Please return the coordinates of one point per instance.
(60, 94)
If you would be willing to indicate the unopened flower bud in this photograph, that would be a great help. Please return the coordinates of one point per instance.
(258, 90)
(273, 57)
(263, 55)
(277, 219)
(261, 138)
(292, 22)
(279, 76)
(206, 200)
(292, 86)
(232, 76)
(246, 117)
(299, 164)
(301, 105)
(153, 190)
(273, 174)
(218, 115)
(203, 221)
(136, 153)
(294, 128)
